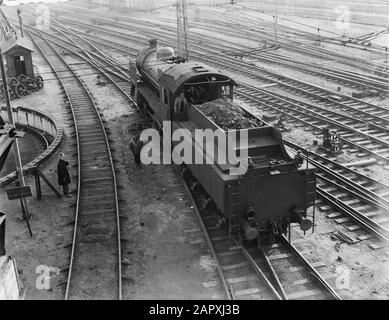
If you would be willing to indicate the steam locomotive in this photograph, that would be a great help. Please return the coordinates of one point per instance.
(274, 191)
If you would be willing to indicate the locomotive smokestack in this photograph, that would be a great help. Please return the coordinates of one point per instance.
(153, 43)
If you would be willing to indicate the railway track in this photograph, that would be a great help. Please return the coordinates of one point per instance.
(357, 136)
(102, 63)
(266, 30)
(354, 199)
(94, 270)
(343, 76)
(372, 113)
(240, 276)
(294, 276)
(228, 47)
(367, 186)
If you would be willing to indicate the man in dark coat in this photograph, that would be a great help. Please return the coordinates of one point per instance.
(193, 95)
(136, 146)
(180, 103)
(63, 174)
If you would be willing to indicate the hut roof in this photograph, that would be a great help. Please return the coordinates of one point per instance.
(20, 42)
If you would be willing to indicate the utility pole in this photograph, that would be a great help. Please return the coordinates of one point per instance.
(276, 23)
(182, 29)
(18, 160)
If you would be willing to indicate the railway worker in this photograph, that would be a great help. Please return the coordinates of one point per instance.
(133, 141)
(63, 174)
(100, 81)
(180, 104)
(132, 89)
(136, 147)
(202, 93)
(298, 158)
(193, 95)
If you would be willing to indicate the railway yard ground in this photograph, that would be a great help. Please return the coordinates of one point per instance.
(164, 252)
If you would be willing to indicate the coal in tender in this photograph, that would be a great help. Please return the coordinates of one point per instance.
(229, 115)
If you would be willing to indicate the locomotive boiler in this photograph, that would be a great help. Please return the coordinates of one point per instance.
(273, 192)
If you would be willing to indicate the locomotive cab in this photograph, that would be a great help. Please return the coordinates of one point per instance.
(198, 92)
(168, 85)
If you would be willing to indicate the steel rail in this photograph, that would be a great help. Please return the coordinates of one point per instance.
(378, 230)
(195, 38)
(252, 98)
(274, 275)
(252, 32)
(226, 287)
(98, 66)
(314, 272)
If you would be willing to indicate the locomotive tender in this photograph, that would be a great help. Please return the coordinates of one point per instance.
(274, 192)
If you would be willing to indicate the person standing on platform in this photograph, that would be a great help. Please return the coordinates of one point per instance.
(63, 174)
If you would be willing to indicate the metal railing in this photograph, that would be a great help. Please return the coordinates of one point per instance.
(37, 122)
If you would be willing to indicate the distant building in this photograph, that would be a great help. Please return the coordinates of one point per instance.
(135, 4)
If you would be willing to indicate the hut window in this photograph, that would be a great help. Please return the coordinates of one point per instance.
(21, 58)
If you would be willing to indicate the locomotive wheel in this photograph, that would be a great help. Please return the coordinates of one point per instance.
(20, 88)
(12, 82)
(29, 85)
(23, 78)
(39, 82)
(13, 91)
